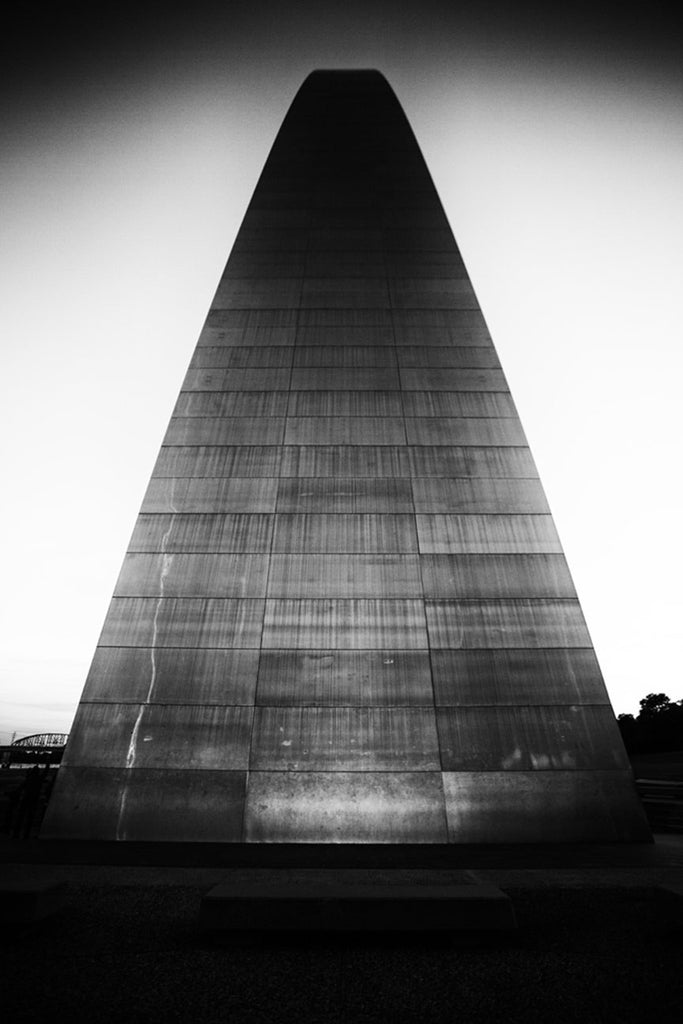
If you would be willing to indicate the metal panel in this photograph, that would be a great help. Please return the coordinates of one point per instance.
(183, 575)
(350, 624)
(440, 534)
(265, 264)
(436, 293)
(430, 264)
(189, 737)
(520, 677)
(101, 734)
(315, 575)
(451, 461)
(175, 676)
(418, 240)
(244, 533)
(213, 461)
(345, 403)
(195, 496)
(446, 319)
(242, 357)
(145, 805)
(345, 264)
(543, 807)
(357, 678)
(262, 293)
(226, 430)
(434, 333)
(529, 738)
(332, 378)
(345, 430)
(344, 739)
(338, 807)
(344, 317)
(252, 319)
(335, 292)
(183, 622)
(473, 357)
(446, 380)
(459, 403)
(522, 623)
(344, 495)
(360, 239)
(358, 336)
(353, 356)
(479, 496)
(231, 403)
(457, 430)
(345, 461)
(474, 576)
(237, 380)
(260, 220)
(363, 534)
(229, 336)
(270, 238)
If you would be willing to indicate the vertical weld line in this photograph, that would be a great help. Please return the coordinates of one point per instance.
(131, 755)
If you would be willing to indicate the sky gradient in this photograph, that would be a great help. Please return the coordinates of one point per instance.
(132, 145)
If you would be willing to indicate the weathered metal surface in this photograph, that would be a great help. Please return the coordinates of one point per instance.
(473, 357)
(517, 676)
(227, 430)
(543, 807)
(204, 461)
(344, 494)
(479, 495)
(345, 807)
(459, 403)
(345, 403)
(337, 622)
(344, 575)
(192, 575)
(468, 534)
(348, 462)
(150, 735)
(210, 495)
(183, 622)
(362, 534)
(496, 576)
(461, 431)
(181, 676)
(395, 678)
(147, 805)
(505, 623)
(196, 534)
(344, 739)
(345, 430)
(529, 738)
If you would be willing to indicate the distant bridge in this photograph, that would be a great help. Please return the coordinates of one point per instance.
(40, 748)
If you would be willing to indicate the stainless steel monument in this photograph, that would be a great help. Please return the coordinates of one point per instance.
(344, 615)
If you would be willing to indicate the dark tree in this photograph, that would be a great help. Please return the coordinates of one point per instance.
(654, 704)
(658, 727)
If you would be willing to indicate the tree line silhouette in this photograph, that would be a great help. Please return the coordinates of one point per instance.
(658, 727)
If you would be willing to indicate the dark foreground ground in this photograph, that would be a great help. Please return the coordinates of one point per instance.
(595, 943)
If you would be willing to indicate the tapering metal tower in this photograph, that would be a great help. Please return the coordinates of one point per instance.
(344, 615)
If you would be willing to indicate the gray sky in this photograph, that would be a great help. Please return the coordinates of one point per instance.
(131, 148)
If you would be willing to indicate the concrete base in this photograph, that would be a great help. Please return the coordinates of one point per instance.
(28, 902)
(356, 907)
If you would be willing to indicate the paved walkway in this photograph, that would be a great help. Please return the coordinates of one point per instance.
(598, 941)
